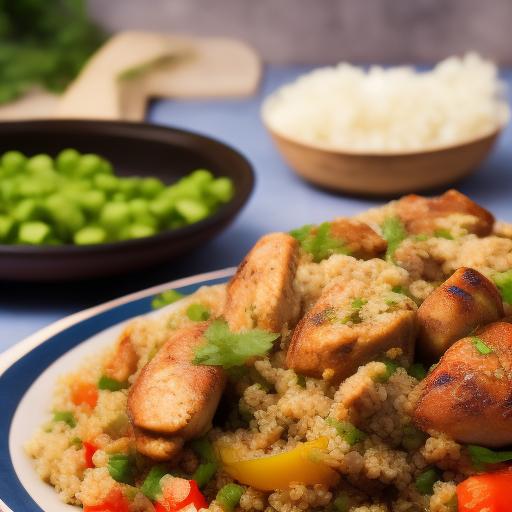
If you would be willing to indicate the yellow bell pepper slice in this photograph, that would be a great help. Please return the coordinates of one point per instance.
(278, 471)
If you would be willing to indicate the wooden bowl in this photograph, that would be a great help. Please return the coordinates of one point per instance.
(382, 174)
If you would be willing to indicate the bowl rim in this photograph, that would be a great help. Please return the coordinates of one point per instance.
(226, 210)
(328, 148)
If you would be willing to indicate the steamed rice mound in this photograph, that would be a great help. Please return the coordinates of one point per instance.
(390, 110)
(273, 410)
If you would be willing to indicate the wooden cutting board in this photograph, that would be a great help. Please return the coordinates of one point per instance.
(133, 67)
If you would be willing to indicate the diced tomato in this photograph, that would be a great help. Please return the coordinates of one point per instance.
(85, 393)
(489, 492)
(90, 450)
(114, 502)
(179, 493)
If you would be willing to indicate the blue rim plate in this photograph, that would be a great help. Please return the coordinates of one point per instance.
(28, 372)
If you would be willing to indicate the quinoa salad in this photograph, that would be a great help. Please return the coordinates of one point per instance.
(360, 365)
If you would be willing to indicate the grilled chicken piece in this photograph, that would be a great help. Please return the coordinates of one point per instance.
(261, 294)
(421, 215)
(361, 240)
(463, 302)
(468, 396)
(342, 332)
(174, 400)
(124, 360)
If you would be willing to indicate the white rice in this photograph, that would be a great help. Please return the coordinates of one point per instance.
(391, 110)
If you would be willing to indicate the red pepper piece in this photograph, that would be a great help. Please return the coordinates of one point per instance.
(489, 492)
(114, 502)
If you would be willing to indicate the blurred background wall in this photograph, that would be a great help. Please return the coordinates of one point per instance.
(328, 31)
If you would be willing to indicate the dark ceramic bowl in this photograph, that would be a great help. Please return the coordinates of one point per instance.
(134, 150)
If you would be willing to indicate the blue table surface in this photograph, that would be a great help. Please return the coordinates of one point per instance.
(280, 202)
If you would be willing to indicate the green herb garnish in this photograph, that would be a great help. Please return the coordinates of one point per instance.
(481, 456)
(481, 346)
(44, 42)
(318, 241)
(393, 231)
(228, 349)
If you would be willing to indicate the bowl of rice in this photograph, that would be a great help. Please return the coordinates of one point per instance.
(388, 131)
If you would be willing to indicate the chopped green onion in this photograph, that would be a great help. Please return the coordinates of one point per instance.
(202, 447)
(417, 370)
(443, 233)
(481, 346)
(65, 416)
(151, 486)
(120, 469)
(77, 443)
(301, 381)
(229, 496)
(198, 313)
(503, 281)
(412, 439)
(393, 231)
(228, 349)
(350, 434)
(425, 482)
(342, 503)
(106, 383)
(391, 367)
(204, 473)
(166, 298)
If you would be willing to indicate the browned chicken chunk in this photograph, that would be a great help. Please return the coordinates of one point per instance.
(463, 302)
(420, 215)
(361, 240)
(261, 294)
(174, 400)
(124, 360)
(342, 332)
(468, 396)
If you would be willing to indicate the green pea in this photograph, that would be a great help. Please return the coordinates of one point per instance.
(39, 163)
(67, 161)
(13, 162)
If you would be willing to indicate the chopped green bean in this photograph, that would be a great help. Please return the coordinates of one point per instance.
(106, 383)
(229, 496)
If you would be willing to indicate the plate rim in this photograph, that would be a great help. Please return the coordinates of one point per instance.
(23, 347)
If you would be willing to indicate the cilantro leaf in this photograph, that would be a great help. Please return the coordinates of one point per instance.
(393, 231)
(480, 456)
(318, 241)
(228, 349)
